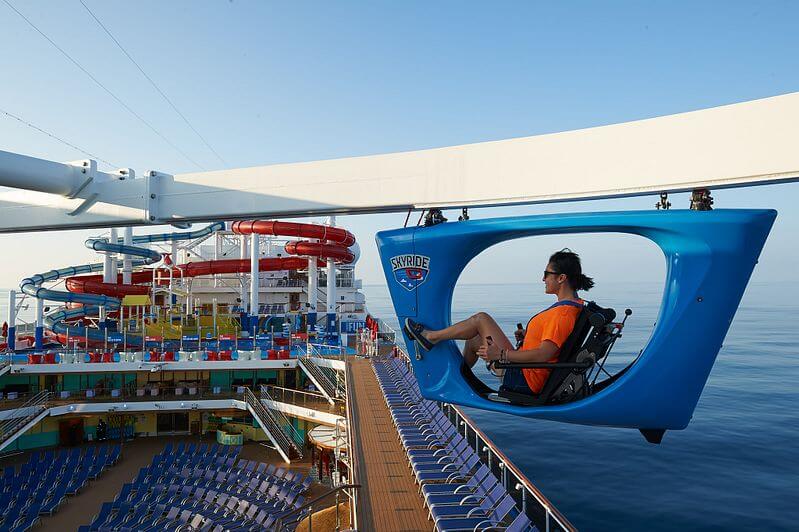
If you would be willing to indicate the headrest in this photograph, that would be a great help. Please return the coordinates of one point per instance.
(608, 314)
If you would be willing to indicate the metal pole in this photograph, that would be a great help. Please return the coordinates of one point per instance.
(12, 319)
(331, 287)
(124, 329)
(243, 255)
(112, 276)
(39, 331)
(217, 254)
(127, 263)
(174, 257)
(254, 288)
(213, 312)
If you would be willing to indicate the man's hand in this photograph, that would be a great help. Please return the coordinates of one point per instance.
(489, 351)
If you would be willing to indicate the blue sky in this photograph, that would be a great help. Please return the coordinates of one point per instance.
(278, 82)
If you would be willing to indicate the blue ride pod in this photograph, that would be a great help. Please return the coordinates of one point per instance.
(709, 257)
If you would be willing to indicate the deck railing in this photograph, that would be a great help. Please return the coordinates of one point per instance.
(295, 438)
(528, 498)
(20, 416)
(317, 375)
(271, 425)
(352, 455)
(291, 516)
(312, 400)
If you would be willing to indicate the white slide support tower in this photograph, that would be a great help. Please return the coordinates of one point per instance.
(733, 145)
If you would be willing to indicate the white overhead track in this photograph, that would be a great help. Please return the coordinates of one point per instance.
(730, 146)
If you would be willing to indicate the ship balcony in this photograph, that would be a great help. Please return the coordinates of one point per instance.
(179, 396)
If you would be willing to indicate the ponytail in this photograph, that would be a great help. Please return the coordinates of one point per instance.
(567, 262)
(584, 282)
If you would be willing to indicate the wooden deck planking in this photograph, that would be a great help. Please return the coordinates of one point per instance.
(389, 499)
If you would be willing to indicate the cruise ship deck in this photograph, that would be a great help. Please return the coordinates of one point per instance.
(389, 499)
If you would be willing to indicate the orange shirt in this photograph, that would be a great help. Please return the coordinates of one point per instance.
(554, 324)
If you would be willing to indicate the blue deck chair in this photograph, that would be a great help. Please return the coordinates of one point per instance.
(499, 514)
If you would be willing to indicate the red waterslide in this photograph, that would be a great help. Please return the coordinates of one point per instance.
(337, 241)
(334, 235)
(335, 245)
(92, 284)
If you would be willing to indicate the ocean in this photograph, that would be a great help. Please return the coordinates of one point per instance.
(732, 468)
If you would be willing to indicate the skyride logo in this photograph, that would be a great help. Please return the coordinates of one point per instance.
(410, 270)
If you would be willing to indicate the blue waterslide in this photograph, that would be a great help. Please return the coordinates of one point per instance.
(169, 237)
(92, 302)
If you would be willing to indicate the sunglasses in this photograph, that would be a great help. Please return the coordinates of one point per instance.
(547, 272)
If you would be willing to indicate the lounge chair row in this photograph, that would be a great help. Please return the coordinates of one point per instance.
(461, 493)
(43, 483)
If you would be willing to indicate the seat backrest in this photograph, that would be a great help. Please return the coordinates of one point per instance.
(522, 523)
(590, 325)
(504, 508)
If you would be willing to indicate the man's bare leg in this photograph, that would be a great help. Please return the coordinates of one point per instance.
(470, 350)
(480, 324)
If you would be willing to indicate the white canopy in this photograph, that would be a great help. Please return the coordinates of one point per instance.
(734, 145)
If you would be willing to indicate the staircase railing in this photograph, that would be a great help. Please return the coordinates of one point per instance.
(322, 380)
(22, 415)
(289, 519)
(295, 438)
(269, 425)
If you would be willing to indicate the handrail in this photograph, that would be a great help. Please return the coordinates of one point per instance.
(272, 428)
(352, 455)
(283, 389)
(486, 445)
(37, 402)
(282, 420)
(299, 509)
(324, 381)
(506, 465)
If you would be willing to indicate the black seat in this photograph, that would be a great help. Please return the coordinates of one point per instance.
(589, 342)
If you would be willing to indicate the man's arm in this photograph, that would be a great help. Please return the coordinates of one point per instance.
(542, 353)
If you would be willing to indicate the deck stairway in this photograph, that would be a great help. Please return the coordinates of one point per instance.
(321, 379)
(295, 439)
(274, 426)
(18, 421)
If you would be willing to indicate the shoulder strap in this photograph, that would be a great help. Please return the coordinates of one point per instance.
(564, 303)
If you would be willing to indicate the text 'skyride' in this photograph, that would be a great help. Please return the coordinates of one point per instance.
(410, 270)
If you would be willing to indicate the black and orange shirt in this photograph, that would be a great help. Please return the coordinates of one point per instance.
(554, 324)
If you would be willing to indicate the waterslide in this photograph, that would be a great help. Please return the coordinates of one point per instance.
(87, 293)
(334, 242)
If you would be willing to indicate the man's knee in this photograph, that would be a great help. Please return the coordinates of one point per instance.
(481, 317)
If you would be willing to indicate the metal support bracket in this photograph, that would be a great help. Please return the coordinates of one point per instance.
(153, 188)
(88, 168)
(701, 200)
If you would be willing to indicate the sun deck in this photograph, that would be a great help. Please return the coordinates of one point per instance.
(388, 499)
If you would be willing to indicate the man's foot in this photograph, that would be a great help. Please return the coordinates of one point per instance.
(416, 331)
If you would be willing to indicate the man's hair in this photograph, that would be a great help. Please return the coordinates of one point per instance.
(567, 262)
